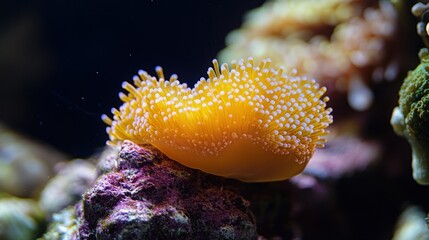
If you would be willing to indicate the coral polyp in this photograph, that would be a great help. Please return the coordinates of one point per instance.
(251, 122)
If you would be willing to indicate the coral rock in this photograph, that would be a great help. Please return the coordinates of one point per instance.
(25, 164)
(63, 226)
(67, 187)
(19, 218)
(149, 196)
(411, 225)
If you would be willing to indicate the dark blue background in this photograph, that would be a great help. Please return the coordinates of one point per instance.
(88, 48)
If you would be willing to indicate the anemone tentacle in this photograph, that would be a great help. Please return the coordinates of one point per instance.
(282, 117)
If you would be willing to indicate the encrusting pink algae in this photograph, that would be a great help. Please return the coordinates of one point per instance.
(148, 196)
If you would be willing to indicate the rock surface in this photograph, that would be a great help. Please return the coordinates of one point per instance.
(151, 197)
(25, 164)
(20, 218)
(67, 187)
(63, 226)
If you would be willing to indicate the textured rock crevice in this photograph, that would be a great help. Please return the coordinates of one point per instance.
(148, 196)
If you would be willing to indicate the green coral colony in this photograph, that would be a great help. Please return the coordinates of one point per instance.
(411, 118)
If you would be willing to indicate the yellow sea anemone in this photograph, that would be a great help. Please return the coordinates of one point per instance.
(253, 123)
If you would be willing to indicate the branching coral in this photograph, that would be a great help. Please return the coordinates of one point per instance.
(252, 123)
(342, 43)
(411, 118)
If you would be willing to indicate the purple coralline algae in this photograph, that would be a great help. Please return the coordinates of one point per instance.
(148, 196)
(344, 155)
